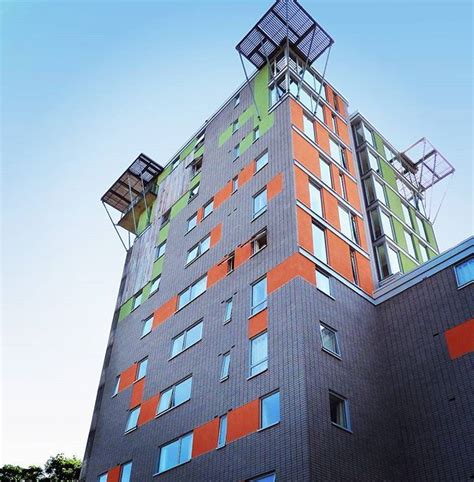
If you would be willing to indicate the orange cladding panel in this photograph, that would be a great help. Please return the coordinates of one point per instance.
(148, 409)
(305, 231)
(258, 323)
(246, 174)
(306, 154)
(322, 137)
(222, 195)
(330, 209)
(296, 112)
(205, 438)
(460, 339)
(302, 186)
(343, 131)
(339, 255)
(165, 311)
(295, 265)
(127, 377)
(275, 186)
(216, 273)
(200, 212)
(216, 234)
(350, 162)
(365, 273)
(243, 421)
(352, 193)
(113, 475)
(361, 231)
(137, 393)
(242, 254)
(335, 176)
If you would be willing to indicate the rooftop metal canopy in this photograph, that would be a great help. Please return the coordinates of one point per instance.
(429, 164)
(286, 19)
(131, 183)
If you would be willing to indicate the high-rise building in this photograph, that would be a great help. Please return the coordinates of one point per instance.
(284, 312)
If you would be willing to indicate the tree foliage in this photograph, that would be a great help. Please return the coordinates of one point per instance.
(57, 469)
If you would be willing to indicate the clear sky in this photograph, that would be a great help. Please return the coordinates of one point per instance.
(88, 85)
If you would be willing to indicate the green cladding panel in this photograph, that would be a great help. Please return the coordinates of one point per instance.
(388, 174)
(394, 203)
(407, 263)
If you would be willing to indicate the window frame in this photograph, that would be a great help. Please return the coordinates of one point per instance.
(326, 276)
(143, 361)
(193, 217)
(225, 367)
(347, 419)
(228, 313)
(209, 203)
(122, 466)
(161, 248)
(464, 261)
(256, 239)
(157, 279)
(180, 440)
(263, 155)
(172, 402)
(222, 432)
(145, 321)
(194, 191)
(262, 210)
(190, 289)
(198, 248)
(264, 361)
(254, 309)
(131, 413)
(185, 333)
(262, 399)
(314, 226)
(325, 326)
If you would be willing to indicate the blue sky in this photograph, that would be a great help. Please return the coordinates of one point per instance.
(87, 85)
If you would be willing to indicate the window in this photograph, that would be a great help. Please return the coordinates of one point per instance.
(368, 161)
(410, 244)
(194, 191)
(259, 242)
(228, 311)
(155, 284)
(464, 272)
(256, 134)
(235, 126)
(166, 217)
(196, 166)
(336, 103)
(225, 366)
(369, 137)
(342, 185)
(326, 173)
(308, 127)
(337, 152)
(147, 326)
(323, 282)
(222, 431)
(199, 141)
(175, 453)
(406, 215)
(329, 339)
(264, 478)
(388, 261)
(423, 253)
(334, 123)
(175, 164)
(175, 396)
(315, 199)
(235, 184)
(199, 249)
(236, 152)
(230, 262)
(259, 203)
(207, 208)
(126, 472)
(261, 161)
(389, 154)
(236, 100)
(319, 243)
(192, 292)
(421, 227)
(103, 478)
(259, 296)
(186, 339)
(141, 370)
(160, 250)
(348, 224)
(192, 222)
(132, 420)
(258, 354)
(339, 410)
(381, 224)
(137, 300)
(355, 273)
(380, 191)
(117, 385)
(270, 410)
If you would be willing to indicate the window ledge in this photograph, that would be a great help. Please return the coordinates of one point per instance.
(327, 294)
(130, 431)
(257, 374)
(465, 285)
(341, 427)
(268, 426)
(224, 379)
(158, 415)
(335, 355)
(171, 468)
(182, 351)
(257, 312)
(256, 216)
